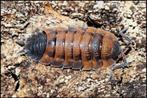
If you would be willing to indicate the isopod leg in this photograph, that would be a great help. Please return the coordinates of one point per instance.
(118, 66)
(77, 65)
(121, 33)
(115, 66)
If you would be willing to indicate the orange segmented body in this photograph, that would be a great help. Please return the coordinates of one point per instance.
(77, 48)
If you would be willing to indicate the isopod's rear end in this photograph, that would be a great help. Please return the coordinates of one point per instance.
(35, 45)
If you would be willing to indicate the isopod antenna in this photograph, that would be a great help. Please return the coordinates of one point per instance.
(129, 44)
(125, 51)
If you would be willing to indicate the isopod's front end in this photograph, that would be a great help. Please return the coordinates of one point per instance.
(116, 50)
(35, 46)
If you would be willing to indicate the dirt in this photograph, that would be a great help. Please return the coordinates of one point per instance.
(21, 77)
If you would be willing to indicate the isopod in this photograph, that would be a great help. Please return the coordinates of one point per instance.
(78, 48)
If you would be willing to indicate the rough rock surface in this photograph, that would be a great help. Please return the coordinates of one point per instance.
(23, 78)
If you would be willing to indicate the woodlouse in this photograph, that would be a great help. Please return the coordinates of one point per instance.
(77, 48)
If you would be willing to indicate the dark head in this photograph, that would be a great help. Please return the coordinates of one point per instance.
(36, 45)
(116, 50)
